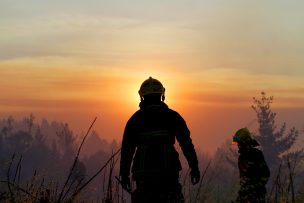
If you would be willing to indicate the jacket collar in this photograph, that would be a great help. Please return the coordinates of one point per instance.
(146, 105)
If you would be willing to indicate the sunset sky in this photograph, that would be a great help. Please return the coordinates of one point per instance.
(73, 60)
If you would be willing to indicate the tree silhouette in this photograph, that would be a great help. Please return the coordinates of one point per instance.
(274, 142)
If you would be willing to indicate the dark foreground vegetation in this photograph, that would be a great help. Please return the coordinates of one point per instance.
(46, 162)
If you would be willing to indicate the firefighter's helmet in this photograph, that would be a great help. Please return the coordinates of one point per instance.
(151, 86)
(243, 137)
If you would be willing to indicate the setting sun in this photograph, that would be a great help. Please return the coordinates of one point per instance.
(73, 66)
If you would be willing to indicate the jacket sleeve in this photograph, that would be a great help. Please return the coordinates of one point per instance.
(185, 142)
(263, 168)
(127, 150)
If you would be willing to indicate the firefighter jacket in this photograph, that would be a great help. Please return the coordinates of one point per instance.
(254, 174)
(149, 139)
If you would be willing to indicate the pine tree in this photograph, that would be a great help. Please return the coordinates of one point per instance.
(274, 142)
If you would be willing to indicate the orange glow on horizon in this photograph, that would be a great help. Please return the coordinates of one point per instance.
(211, 108)
(72, 63)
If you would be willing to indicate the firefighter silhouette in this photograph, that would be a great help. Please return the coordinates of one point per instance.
(254, 172)
(148, 145)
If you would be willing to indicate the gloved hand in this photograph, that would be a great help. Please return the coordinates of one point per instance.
(125, 183)
(195, 175)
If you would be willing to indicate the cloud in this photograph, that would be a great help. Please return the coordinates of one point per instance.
(189, 35)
